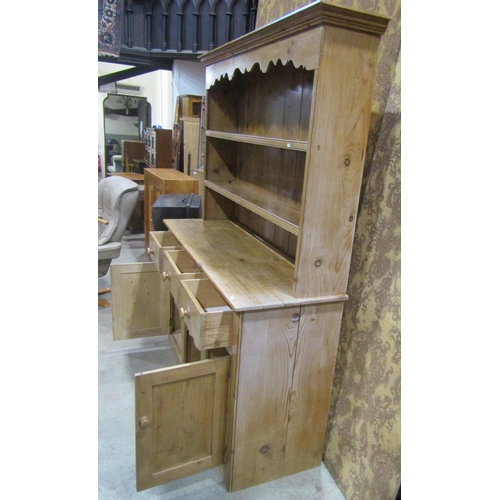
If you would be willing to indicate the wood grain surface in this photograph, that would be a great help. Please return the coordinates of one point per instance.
(246, 272)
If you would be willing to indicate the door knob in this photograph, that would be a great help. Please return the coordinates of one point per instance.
(144, 422)
(184, 313)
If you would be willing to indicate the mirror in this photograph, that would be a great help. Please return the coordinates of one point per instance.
(126, 118)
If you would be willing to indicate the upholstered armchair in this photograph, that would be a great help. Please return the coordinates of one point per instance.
(117, 198)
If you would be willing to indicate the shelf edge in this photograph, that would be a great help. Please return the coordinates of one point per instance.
(286, 144)
(275, 219)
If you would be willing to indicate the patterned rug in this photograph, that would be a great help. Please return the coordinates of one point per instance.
(110, 24)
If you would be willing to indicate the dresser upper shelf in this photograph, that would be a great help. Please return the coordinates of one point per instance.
(293, 37)
(274, 210)
(288, 117)
(247, 273)
(273, 142)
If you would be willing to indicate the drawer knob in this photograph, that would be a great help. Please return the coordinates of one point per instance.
(166, 276)
(149, 252)
(144, 422)
(184, 313)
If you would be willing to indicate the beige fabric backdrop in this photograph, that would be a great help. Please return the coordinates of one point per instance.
(363, 443)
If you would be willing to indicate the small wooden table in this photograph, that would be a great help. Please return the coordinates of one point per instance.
(139, 166)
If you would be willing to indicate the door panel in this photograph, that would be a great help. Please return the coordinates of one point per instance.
(268, 345)
(140, 301)
(180, 420)
(318, 338)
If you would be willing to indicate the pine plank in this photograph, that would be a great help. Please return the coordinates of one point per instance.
(263, 395)
(331, 195)
(139, 305)
(317, 344)
(259, 140)
(245, 271)
(179, 431)
(274, 210)
(207, 316)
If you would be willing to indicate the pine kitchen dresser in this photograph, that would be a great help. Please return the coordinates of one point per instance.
(252, 294)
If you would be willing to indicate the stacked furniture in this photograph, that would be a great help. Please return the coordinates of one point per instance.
(158, 153)
(252, 294)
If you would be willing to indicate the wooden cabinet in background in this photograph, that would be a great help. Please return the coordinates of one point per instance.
(190, 143)
(287, 117)
(132, 150)
(158, 152)
(199, 172)
(187, 105)
(203, 128)
(163, 181)
(186, 132)
(186, 144)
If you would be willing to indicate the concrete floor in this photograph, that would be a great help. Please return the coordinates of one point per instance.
(118, 362)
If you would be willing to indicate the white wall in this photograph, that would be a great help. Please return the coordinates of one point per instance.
(188, 77)
(158, 89)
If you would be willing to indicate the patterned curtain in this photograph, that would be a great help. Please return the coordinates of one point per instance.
(363, 450)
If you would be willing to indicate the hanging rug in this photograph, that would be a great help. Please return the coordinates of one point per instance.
(110, 24)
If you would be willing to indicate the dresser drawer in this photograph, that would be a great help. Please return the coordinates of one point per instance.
(157, 241)
(211, 322)
(177, 265)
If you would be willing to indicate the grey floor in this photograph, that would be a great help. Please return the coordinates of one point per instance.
(118, 361)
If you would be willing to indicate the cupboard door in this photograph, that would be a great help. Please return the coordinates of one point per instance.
(180, 420)
(140, 301)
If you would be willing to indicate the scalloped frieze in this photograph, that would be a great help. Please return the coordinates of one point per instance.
(301, 49)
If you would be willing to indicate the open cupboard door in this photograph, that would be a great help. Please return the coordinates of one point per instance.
(140, 301)
(180, 420)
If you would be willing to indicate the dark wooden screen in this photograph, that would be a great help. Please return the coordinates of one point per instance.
(183, 29)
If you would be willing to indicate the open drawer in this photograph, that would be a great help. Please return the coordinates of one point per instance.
(211, 322)
(157, 241)
(177, 265)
